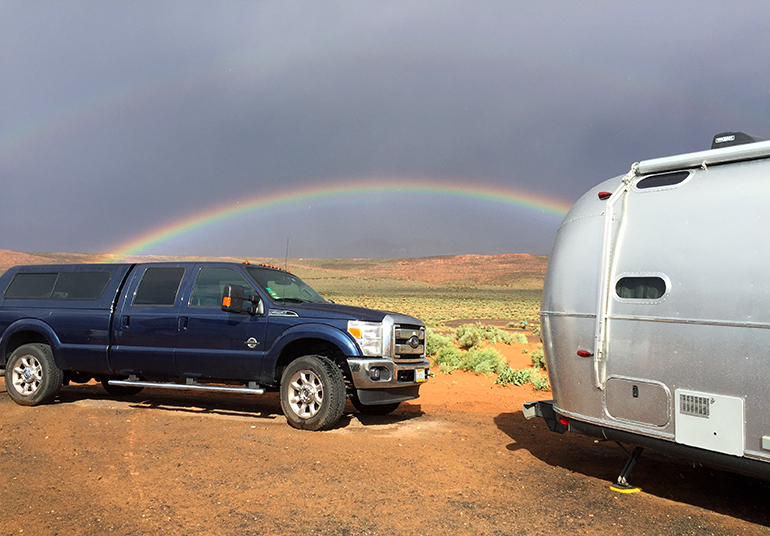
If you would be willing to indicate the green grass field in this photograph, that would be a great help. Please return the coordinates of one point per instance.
(434, 289)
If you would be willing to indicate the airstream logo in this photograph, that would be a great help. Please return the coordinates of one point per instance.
(723, 139)
(414, 341)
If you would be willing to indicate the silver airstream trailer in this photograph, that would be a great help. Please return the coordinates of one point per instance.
(656, 309)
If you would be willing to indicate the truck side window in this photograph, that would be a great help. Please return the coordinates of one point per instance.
(81, 285)
(59, 285)
(211, 283)
(641, 288)
(159, 286)
(31, 286)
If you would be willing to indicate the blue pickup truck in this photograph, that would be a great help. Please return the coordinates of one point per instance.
(230, 327)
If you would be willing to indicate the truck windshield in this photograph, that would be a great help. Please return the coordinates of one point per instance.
(283, 285)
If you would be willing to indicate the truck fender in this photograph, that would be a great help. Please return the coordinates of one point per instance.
(324, 332)
(39, 332)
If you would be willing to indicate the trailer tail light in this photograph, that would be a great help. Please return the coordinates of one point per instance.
(605, 195)
(584, 353)
(564, 421)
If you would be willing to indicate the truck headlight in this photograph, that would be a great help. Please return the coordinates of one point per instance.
(369, 336)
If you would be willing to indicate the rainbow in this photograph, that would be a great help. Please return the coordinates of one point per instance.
(335, 191)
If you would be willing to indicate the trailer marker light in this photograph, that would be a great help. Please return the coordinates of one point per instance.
(605, 195)
(564, 421)
(585, 353)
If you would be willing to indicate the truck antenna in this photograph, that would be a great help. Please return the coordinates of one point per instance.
(287, 254)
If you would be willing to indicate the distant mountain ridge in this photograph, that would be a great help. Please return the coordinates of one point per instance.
(522, 269)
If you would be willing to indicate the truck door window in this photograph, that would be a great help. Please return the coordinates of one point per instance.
(211, 283)
(640, 288)
(159, 286)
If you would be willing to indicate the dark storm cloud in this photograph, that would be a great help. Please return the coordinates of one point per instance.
(120, 118)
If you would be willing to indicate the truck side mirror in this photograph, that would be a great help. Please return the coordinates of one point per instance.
(234, 300)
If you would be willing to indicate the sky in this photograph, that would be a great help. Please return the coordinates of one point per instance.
(351, 129)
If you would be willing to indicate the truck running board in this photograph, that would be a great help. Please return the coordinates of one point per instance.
(190, 385)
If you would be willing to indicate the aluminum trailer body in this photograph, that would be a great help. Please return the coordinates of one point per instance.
(656, 309)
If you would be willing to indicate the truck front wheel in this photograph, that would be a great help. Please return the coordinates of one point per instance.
(312, 393)
(31, 375)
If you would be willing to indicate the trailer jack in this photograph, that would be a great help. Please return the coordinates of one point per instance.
(622, 485)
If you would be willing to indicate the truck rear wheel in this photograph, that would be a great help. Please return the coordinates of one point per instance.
(312, 393)
(31, 375)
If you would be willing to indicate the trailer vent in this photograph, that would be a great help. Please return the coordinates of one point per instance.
(662, 180)
(697, 406)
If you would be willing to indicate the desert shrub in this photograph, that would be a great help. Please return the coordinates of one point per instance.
(520, 338)
(513, 376)
(435, 341)
(536, 330)
(493, 335)
(538, 357)
(539, 380)
(471, 335)
(448, 358)
(483, 361)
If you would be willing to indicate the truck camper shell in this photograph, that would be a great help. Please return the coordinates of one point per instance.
(656, 309)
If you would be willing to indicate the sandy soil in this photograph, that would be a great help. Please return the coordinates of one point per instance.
(459, 460)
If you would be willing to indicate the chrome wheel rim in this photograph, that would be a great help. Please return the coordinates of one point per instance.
(306, 394)
(27, 375)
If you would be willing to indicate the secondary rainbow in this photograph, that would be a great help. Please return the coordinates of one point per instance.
(336, 191)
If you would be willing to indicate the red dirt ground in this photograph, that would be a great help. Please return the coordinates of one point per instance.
(461, 459)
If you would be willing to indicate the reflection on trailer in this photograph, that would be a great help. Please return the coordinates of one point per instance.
(656, 309)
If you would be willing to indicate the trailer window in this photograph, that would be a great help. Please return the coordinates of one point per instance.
(664, 179)
(159, 286)
(59, 285)
(640, 288)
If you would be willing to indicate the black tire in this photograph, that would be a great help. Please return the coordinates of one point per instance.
(31, 375)
(312, 393)
(121, 390)
(379, 409)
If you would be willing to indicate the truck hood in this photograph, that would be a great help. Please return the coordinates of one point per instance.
(335, 311)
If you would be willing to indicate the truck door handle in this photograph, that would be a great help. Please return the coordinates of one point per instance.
(183, 321)
(125, 321)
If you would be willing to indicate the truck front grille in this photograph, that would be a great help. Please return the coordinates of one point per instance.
(409, 342)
